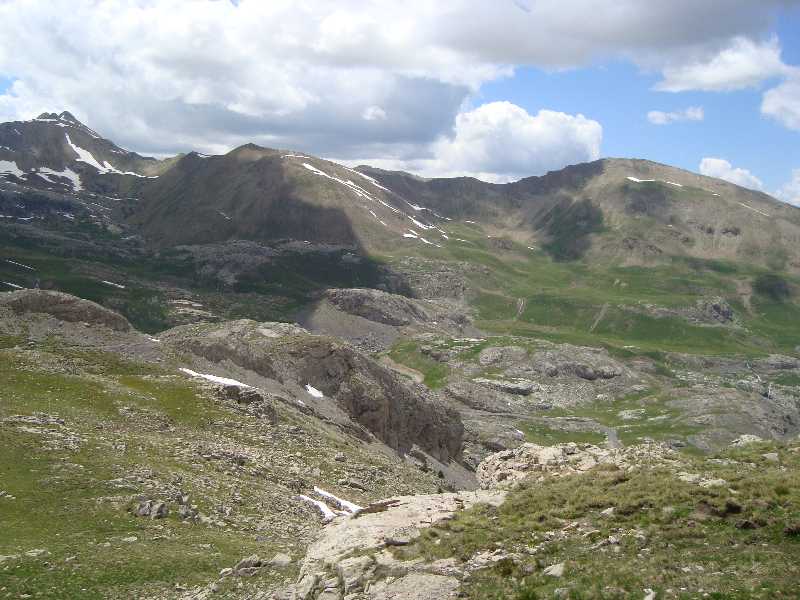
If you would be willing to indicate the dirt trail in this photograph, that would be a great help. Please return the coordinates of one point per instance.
(599, 318)
(521, 303)
(745, 291)
(402, 369)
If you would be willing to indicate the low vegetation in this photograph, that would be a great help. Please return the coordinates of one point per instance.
(624, 534)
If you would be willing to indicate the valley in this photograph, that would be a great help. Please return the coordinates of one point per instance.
(217, 368)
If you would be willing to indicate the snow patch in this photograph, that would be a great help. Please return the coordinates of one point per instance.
(9, 167)
(112, 284)
(420, 225)
(85, 156)
(69, 174)
(356, 189)
(215, 379)
(327, 514)
(12, 262)
(343, 504)
(314, 391)
(637, 180)
(753, 209)
(370, 179)
(422, 239)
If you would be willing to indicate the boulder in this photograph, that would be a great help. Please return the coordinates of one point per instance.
(502, 355)
(509, 467)
(519, 387)
(745, 440)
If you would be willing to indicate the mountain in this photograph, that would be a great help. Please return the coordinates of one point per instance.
(230, 357)
(621, 210)
(616, 251)
(59, 152)
(629, 212)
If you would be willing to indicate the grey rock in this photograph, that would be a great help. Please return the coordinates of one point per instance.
(519, 387)
(556, 570)
(63, 307)
(252, 561)
(354, 572)
(396, 411)
(502, 355)
(281, 560)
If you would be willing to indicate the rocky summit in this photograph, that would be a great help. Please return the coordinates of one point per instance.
(267, 375)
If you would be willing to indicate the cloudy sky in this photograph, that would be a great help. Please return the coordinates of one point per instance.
(498, 89)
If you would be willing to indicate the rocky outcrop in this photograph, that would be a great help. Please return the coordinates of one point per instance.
(377, 306)
(63, 307)
(562, 360)
(398, 412)
(351, 558)
(518, 387)
(778, 362)
(506, 468)
(373, 320)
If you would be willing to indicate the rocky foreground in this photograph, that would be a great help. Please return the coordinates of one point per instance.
(243, 459)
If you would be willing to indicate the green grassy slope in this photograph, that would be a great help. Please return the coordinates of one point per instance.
(737, 540)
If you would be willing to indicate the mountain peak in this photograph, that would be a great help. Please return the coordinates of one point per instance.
(64, 117)
(68, 116)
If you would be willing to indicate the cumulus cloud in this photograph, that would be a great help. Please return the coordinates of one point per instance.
(722, 169)
(501, 141)
(374, 113)
(693, 113)
(742, 64)
(783, 102)
(344, 79)
(790, 192)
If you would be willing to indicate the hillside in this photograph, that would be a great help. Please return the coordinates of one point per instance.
(613, 252)
(267, 375)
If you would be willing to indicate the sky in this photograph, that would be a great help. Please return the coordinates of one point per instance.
(496, 89)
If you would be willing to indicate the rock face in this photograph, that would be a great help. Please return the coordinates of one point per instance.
(350, 559)
(399, 413)
(506, 468)
(372, 319)
(378, 306)
(63, 307)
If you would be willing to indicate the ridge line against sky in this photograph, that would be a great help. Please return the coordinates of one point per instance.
(497, 90)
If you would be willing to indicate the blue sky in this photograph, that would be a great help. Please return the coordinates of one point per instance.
(619, 95)
(488, 88)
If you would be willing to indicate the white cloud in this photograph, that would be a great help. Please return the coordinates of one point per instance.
(742, 64)
(693, 113)
(501, 141)
(783, 102)
(722, 169)
(374, 113)
(171, 75)
(790, 193)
